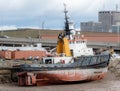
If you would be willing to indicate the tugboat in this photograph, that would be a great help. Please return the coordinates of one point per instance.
(72, 62)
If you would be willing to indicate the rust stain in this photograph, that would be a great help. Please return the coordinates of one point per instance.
(44, 78)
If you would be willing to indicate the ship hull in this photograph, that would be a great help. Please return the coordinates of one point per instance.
(60, 76)
(82, 69)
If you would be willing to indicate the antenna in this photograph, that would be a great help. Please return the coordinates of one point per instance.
(103, 6)
(116, 7)
(43, 23)
(67, 30)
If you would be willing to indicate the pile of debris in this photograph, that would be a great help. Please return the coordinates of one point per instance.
(5, 76)
(114, 67)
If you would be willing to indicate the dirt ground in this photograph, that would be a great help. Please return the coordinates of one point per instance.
(110, 83)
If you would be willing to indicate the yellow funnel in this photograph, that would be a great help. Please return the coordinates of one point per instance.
(63, 47)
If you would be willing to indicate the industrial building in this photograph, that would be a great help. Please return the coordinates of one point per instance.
(91, 26)
(116, 28)
(109, 18)
(106, 19)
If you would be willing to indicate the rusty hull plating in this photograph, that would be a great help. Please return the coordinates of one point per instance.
(81, 69)
(60, 76)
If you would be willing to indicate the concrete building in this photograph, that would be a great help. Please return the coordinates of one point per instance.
(91, 26)
(116, 28)
(108, 18)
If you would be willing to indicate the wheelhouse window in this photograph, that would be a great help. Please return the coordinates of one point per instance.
(48, 61)
(86, 61)
(93, 60)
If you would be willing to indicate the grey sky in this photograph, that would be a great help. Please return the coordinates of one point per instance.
(31, 13)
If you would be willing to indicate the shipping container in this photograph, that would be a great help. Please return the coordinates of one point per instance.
(22, 54)
(28, 54)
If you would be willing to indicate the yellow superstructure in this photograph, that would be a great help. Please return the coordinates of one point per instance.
(63, 47)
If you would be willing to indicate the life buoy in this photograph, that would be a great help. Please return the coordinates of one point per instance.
(63, 61)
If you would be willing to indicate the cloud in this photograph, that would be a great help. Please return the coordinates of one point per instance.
(8, 27)
(34, 12)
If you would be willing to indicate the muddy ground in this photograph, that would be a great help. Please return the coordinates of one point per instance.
(110, 83)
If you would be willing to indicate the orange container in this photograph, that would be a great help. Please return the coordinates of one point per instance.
(27, 54)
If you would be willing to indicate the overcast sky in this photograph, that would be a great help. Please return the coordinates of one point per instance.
(32, 13)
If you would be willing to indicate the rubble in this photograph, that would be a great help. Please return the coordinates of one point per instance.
(114, 67)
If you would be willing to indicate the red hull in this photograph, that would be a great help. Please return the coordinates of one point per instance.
(60, 76)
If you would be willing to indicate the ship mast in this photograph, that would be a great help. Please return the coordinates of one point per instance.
(67, 30)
